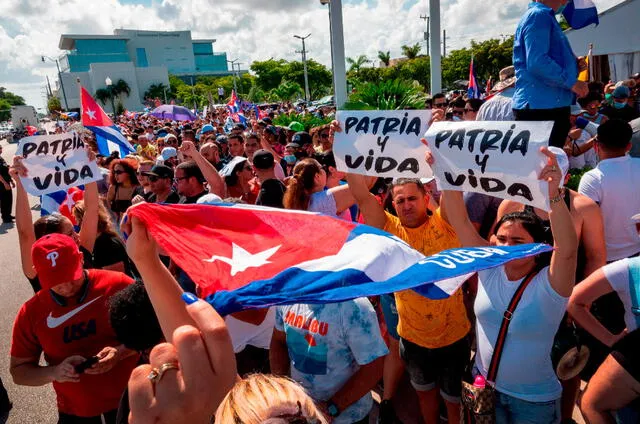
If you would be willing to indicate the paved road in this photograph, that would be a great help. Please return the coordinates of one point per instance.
(30, 404)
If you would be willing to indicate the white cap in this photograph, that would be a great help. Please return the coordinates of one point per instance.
(168, 153)
(209, 199)
(426, 180)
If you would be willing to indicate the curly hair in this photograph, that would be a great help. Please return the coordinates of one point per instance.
(105, 225)
(130, 166)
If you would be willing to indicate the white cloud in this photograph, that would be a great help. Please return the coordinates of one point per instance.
(247, 29)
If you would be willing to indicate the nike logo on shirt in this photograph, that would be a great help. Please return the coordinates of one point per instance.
(53, 322)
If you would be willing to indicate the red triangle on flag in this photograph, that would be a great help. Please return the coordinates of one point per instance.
(92, 113)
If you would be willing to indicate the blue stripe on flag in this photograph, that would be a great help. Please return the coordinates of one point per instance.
(109, 139)
(435, 277)
(581, 13)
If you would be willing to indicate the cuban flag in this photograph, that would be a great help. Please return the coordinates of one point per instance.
(262, 257)
(581, 13)
(61, 202)
(473, 92)
(108, 137)
(234, 109)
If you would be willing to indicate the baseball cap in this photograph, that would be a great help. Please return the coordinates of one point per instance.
(206, 128)
(209, 199)
(295, 126)
(57, 260)
(222, 139)
(293, 145)
(563, 161)
(168, 153)
(271, 130)
(263, 159)
(621, 92)
(302, 138)
(160, 171)
(227, 170)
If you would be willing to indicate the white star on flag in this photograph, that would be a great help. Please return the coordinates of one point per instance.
(241, 259)
(91, 113)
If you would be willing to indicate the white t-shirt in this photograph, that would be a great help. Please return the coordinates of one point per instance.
(617, 273)
(498, 108)
(525, 370)
(243, 334)
(588, 158)
(324, 202)
(327, 344)
(614, 185)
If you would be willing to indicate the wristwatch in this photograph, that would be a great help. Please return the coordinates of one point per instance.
(332, 408)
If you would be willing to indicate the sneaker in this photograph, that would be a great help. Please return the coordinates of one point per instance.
(386, 414)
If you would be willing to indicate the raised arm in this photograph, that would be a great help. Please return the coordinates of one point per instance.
(371, 210)
(562, 272)
(584, 294)
(216, 183)
(24, 224)
(592, 235)
(455, 213)
(89, 227)
(344, 197)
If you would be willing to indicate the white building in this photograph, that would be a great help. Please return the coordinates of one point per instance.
(140, 58)
(616, 42)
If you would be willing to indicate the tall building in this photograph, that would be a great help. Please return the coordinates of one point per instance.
(141, 58)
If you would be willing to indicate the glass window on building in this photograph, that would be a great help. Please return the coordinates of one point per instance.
(141, 54)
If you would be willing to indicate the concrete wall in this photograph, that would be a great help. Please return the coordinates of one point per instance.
(173, 49)
(71, 88)
(617, 32)
(149, 76)
(126, 71)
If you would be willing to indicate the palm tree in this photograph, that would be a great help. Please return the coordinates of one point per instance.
(411, 52)
(156, 91)
(385, 57)
(386, 95)
(102, 95)
(356, 64)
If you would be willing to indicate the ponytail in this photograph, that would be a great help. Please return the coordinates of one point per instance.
(300, 187)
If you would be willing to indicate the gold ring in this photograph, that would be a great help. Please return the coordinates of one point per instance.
(156, 373)
(554, 168)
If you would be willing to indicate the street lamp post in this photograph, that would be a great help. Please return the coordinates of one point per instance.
(233, 68)
(337, 52)
(64, 94)
(434, 41)
(109, 84)
(307, 95)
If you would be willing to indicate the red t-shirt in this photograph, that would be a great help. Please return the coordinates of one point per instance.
(42, 325)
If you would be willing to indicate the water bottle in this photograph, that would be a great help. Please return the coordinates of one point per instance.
(479, 382)
(588, 126)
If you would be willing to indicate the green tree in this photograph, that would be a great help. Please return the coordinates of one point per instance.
(286, 91)
(357, 63)
(5, 110)
(102, 95)
(271, 73)
(415, 70)
(12, 99)
(386, 95)
(385, 57)
(158, 91)
(53, 104)
(411, 52)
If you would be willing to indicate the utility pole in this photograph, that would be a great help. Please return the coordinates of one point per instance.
(238, 74)
(434, 35)
(307, 96)
(49, 93)
(338, 65)
(426, 33)
(444, 43)
(233, 69)
(66, 105)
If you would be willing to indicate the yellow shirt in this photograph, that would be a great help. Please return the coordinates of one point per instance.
(150, 152)
(425, 322)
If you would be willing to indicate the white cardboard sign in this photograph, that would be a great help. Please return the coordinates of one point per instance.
(501, 159)
(56, 162)
(382, 143)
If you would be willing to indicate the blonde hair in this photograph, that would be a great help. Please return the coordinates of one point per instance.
(261, 399)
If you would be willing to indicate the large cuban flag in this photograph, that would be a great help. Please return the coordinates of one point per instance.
(61, 202)
(245, 257)
(108, 137)
(580, 13)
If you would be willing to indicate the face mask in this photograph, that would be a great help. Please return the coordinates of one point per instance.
(456, 118)
(589, 116)
(608, 97)
(301, 154)
(619, 105)
(290, 159)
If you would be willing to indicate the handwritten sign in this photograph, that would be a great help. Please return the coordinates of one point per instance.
(501, 159)
(56, 162)
(383, 143)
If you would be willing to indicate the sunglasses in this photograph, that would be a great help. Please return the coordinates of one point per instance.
(440, 104)
(177, 179)
(468, 110)
(324, 135)
(457, 112)
(153, 178)
(118, 172)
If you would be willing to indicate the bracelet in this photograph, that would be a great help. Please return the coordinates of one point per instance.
(556, 199)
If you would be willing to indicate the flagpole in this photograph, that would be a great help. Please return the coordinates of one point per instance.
(590, 64)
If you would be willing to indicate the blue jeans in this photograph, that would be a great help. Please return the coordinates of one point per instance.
(510, 410)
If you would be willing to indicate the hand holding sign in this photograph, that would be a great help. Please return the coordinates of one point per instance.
(55, 162)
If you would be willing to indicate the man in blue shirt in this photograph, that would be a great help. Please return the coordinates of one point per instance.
(546, 70)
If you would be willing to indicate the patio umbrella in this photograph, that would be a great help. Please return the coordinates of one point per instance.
(173, 112)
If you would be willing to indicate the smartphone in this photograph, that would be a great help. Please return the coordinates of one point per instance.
(81, 368)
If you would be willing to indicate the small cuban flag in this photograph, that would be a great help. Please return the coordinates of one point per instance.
(580, 13)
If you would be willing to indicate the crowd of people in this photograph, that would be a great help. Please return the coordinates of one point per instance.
(125, 338)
